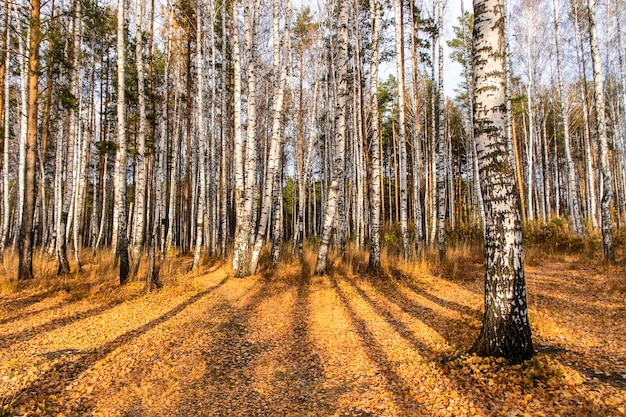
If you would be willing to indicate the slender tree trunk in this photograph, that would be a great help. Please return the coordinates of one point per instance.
(401, 134)
(6, 117)
(607, 180)
(280, 71)
(442, 142)
(240, 219)
(506, 329)
(338, 171)
(469, 73)
(417, 136)
(139, 217)
(572, 180)
(200, 137)
(374, 142)
(25, 267)
(120, 160)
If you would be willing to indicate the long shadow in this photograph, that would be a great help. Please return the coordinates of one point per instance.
(451, 305)
(226, 386)
(21, 316)
(612, 377)
(27, 334)
(21, 303)
(400, 327)
(305, 372)
(374, 351)
(54, 381)
(428, 316)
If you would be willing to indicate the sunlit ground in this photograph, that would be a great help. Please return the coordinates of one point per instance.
(285, 343)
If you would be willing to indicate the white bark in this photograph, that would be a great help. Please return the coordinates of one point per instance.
(442, 142)
(338, 169)
(607, 196)
(240, 219)
(23, 65)
(506, 329)
(201, 138)
(6, 208)
(139, 216)
(120, 161)
(280, 71)
(402, 153)
(374, 141)
(572, 180)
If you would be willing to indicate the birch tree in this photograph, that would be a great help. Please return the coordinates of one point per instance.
(607, 180)
(6, 120)
(506, 330)
(374, 141)
(280, 73)
(570, 168)
(139, 217)
(120, 159)
(402, 153)
(200, 216)
(441, 141)
(338, 169)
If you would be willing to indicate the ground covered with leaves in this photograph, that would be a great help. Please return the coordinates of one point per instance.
(290, 344)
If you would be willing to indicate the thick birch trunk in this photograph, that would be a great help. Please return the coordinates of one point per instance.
(506, 329)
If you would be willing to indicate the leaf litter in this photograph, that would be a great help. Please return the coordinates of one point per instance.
(287, 344)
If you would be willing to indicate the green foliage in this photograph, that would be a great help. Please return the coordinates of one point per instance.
(304, 30)
(461, 44)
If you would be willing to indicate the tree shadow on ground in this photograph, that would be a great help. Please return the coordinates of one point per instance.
(24, 302)
(232, 360)
(27, 334)
(396, 385)
(54, 381)
(21, 316)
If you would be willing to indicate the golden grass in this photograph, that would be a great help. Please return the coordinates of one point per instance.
(463, 262)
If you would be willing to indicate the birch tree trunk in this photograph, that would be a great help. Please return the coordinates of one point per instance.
(506, 329)
(607, 180)
(25, 266)
(338, 169)
(589, 170)
(240, 220)
(280, 71)
(374, 141)
(6, 117)
(120, 160)
(402, 153)
(139, 216)
(570, 168)
(442, 142)
(63, 208)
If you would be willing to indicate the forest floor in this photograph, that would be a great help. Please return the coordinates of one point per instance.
(290, 344)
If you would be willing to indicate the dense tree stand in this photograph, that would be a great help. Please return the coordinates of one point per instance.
(506, 329)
